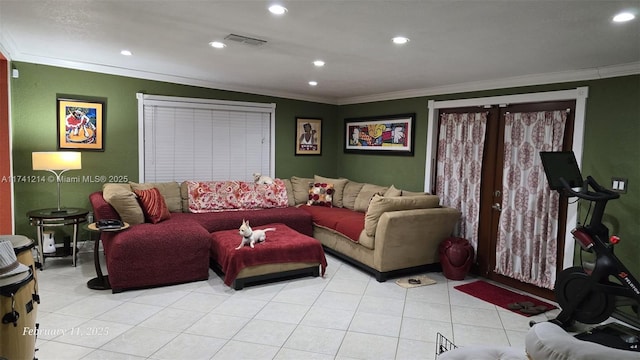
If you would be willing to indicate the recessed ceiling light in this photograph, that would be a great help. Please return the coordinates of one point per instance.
(313, 83)
(624, 17)
(400, 40)
(318, 63)
(277, 9)
(217, 44)
(126, 53)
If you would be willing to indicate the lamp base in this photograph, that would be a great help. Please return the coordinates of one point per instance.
(48, 243)
(59, 211)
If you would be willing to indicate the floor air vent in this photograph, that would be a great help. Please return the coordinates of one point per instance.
(245, 40)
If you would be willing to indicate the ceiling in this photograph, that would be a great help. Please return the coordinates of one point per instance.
(454, 45)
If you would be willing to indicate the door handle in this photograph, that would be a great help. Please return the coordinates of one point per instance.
(497, 206)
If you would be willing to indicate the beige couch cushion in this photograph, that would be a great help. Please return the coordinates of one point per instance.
(109, 189)
(290, 198)
(170, 191)
(365, 195)
(184, 196)
(381, 204)
(392, 191)
(300, 189)
(338, 187)
(366, 240)
(124, 201)
(351, 190)
(412, 193)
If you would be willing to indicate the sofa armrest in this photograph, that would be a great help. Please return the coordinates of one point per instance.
(101, 208)
(409, 238)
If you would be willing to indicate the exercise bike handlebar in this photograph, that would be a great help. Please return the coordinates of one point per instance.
(600, 193)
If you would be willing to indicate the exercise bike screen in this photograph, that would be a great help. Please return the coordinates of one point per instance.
(561, 164)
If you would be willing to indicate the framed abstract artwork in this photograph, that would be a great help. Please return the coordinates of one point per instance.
(388, 135)
(308, 136)
(80, 124)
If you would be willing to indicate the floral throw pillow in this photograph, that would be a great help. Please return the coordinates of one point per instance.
(321, 194)
(153, 205)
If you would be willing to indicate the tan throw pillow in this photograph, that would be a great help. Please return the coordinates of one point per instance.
(338, 186)
(392, 191)
(300, 189)
(184, 196)
(124, 201)
(170, 191)
(351, 190)
(365, 195)
(381, 204)
(109, 189)
(291, 201)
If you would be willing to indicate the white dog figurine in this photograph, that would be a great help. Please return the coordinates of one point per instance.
(262, 179)
(251, 237)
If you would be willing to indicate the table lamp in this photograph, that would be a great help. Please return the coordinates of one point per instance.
(60, 161)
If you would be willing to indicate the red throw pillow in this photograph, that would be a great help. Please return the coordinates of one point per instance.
(153, 205)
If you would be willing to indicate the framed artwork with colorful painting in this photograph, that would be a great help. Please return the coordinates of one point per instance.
(80, 124)
(387, 135)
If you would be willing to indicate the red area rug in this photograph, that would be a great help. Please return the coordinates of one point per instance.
(504, 298)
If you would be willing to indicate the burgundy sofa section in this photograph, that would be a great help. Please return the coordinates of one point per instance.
(177, 250)
(345, 221)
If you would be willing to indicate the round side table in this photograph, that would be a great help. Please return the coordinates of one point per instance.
(100, 282)
(43, 218)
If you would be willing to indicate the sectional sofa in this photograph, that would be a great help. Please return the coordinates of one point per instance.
(384, 230)
(176, 249)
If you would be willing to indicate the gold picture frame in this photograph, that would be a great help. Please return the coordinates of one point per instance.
(308, 136)
(80, 124)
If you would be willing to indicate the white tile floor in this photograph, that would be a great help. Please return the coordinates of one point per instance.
(346, 315)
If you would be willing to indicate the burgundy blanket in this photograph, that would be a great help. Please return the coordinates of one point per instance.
(345, 221)
(283, 245)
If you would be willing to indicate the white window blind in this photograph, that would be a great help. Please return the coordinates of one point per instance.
(200, 139)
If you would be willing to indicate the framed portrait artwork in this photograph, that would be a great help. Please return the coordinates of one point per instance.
(388, 135)
(80, 124)
(308, 136)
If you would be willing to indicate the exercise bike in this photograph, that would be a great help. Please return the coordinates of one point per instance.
(587, 293)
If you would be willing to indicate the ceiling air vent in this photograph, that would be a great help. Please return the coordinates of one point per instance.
(245, 40)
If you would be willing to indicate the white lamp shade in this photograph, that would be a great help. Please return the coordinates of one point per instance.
(56, 160)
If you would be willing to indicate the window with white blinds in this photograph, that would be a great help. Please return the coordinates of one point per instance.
(199, 139)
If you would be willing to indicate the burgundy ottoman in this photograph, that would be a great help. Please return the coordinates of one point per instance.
(284, 254)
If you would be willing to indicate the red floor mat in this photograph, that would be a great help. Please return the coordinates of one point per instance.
(501, 296)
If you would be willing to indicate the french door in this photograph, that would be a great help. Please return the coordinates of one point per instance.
(519, 237)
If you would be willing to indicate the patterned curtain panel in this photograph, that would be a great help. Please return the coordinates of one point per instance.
(528, 226)
(459, 166)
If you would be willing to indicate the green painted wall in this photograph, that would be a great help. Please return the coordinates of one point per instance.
(405, 172)
(611, 148)
(33, 121)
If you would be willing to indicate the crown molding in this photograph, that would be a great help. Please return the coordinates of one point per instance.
(147, 75)
(516, 81)
(5, 50)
